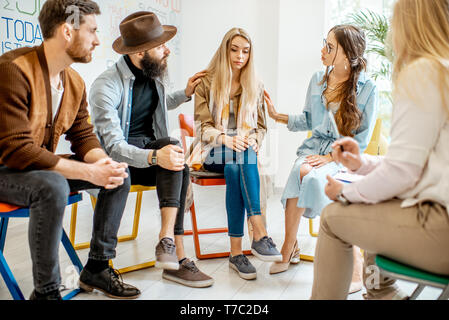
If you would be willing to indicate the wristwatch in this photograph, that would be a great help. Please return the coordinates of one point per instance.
(154, 158)
(341, 198)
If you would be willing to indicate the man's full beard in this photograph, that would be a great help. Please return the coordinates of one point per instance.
(153, 68)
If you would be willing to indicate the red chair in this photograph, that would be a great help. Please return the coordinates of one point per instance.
(204, 179)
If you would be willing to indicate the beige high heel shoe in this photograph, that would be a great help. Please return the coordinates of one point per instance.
(278, 267)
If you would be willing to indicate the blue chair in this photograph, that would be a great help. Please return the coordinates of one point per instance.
(8, 211)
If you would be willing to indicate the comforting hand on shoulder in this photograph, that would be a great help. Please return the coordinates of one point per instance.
(193, 82)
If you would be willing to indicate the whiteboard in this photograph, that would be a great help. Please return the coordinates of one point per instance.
(19, 27)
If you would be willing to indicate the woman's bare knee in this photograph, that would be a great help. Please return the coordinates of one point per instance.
(305, 170)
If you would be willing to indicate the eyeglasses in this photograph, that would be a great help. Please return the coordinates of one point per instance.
(328, 48)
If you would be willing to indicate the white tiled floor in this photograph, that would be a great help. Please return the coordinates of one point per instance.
(295, 284)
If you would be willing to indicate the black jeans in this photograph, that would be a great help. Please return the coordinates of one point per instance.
(171, 186)
(46, 194)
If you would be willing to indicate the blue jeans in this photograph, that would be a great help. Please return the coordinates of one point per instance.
(242, 184)
(46, 194)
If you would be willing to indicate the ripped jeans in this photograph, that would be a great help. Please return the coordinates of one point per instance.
(242, 184)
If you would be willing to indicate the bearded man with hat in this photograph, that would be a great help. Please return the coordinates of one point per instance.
(130, 106)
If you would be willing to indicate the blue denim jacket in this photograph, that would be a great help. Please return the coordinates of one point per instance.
(315, 117)
(110, 99)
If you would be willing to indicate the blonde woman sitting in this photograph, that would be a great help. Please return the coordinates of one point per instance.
(230, 124)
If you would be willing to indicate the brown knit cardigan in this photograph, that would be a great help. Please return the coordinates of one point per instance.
(28, 134)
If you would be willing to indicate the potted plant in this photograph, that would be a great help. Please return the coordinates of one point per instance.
(376, 27)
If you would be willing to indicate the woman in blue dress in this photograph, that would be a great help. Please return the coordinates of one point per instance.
(345, 89)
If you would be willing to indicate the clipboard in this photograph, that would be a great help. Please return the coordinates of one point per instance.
(346, 177)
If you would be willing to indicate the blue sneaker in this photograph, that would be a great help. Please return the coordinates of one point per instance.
(243, 266)
(265, 250)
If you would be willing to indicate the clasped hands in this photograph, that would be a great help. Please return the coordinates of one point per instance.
(239, 143)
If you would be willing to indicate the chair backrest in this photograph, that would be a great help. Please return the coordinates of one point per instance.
(186, 124)
(377, 145)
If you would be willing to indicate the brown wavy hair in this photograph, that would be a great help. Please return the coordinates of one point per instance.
(56, 12)
(352, 41)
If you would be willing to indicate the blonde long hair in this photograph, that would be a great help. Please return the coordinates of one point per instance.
(221, 72)
(420, 29)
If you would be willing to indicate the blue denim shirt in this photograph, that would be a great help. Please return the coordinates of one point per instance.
(315, 117)
(110, 99)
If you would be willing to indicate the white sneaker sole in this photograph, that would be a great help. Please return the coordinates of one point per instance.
(167, 265)
(246, 276)
(189, 283)
(277, 258)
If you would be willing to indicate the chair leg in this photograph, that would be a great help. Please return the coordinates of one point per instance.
(3, 228)
(12, 284)
(196, 232)
(76, 246)
(75, 260)
(73, 217)
(10, 281)
(71, 251)
(136, 267)
(445, 294)
(133, 236)
(5, 271)
(135, 229)
(417, 292)
(312, 233)
(307, 258)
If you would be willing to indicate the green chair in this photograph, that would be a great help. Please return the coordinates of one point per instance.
(401, 271)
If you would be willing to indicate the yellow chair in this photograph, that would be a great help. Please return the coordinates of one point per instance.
(134, 188)
(378, 146)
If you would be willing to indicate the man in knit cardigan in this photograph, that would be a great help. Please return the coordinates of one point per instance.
(42, 98)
